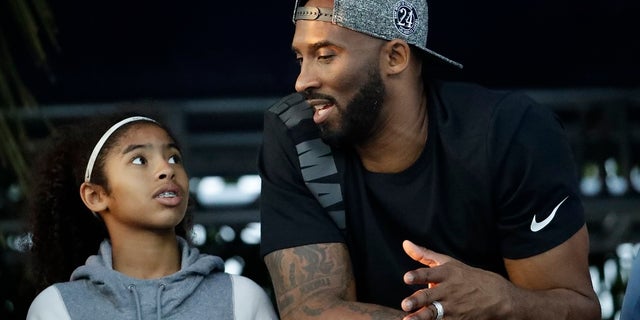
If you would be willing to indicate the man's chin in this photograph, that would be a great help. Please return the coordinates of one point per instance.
(331, 137)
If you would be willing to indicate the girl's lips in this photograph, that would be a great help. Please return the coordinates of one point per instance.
(170, 201)
(169, 196)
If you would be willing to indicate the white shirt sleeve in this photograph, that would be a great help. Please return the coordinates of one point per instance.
(250, 301)
(48, 305)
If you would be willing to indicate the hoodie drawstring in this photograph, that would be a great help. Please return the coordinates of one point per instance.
(132, 288)
(161, 287)
(158, 304)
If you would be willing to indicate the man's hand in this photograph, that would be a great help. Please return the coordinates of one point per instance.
(554, 284)
(463, 291)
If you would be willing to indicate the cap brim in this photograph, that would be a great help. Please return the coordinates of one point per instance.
(434, 56)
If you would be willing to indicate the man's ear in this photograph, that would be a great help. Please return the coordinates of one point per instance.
(397, 53)
(93, 197)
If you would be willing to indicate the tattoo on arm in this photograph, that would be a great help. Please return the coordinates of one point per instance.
(306, 271)
(311, 279)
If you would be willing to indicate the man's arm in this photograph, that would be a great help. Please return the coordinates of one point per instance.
(316, 281)
(562, 274)
(553, 285)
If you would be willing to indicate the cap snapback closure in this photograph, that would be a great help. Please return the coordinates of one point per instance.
(313, 13)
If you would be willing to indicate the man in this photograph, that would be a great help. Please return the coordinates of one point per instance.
(478, 187)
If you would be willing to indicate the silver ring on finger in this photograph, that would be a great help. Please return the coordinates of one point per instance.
(439, 310)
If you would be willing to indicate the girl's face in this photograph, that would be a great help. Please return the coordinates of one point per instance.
(148, 183)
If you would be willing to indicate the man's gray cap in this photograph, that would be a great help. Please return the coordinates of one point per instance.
(384, 19)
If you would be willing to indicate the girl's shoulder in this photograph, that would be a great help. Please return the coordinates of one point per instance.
(48, 304)
(256, 304)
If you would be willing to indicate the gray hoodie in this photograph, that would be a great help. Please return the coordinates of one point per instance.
(200, 290)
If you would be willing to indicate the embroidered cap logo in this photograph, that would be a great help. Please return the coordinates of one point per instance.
(405, 17)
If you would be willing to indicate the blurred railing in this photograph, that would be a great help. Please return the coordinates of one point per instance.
(220, 139)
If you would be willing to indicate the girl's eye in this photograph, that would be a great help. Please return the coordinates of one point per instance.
(174, 159)
(139, 160)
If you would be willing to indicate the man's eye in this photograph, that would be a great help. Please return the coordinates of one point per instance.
(325, 57)
(139, 160)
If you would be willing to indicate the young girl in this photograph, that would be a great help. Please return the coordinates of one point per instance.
(116, 196)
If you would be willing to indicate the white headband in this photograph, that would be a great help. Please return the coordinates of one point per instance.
(105, 136)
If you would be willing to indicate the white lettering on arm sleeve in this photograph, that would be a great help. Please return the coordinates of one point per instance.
(48, 305)
(250, 301)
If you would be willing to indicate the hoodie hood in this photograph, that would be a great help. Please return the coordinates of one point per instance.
(150, 296)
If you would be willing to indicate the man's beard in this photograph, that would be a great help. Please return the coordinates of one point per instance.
(359, 119)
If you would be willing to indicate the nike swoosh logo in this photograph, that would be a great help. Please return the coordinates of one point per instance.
(537, 226)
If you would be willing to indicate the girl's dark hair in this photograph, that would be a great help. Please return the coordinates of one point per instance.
(64, 231)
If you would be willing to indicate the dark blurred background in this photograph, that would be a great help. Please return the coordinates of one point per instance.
(114, 50)
(210, 68)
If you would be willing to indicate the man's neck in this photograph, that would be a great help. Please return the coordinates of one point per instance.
(402, 140)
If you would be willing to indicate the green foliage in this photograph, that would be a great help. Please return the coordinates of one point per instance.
(27, 27)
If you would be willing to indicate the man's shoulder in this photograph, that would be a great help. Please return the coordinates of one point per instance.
(473, 99)
(290, 109)
(463, 90)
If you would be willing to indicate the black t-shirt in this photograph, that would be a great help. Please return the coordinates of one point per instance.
(495, 180)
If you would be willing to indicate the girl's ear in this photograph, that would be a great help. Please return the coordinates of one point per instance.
(93, 197)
